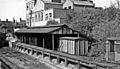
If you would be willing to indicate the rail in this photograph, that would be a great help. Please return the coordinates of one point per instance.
(8, 63)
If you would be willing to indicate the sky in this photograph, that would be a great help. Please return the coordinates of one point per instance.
(17, 8)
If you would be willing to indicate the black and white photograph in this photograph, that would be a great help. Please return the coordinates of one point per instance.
(59, 34)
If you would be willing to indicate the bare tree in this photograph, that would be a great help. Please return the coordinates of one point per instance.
(115, 4)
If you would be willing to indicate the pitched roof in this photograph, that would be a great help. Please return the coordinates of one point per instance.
(37, 30)
(83, 3)
(88, 3)
(48, 29)
(49, 2)
(40, 29)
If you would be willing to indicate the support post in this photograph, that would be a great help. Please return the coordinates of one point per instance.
(53, 42)
(43, 54)
(58, 59)
(22, 38)
(78, 46)
(35, 39)
(43, 43)
(95, 67)
(50, 57)
(66, 62)
(79, 65)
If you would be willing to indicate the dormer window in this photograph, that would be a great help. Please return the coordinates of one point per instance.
(69, 7)
(50, 16)
(65, 7)
(46, 16)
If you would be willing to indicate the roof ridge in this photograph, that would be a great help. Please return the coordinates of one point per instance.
(48, 26)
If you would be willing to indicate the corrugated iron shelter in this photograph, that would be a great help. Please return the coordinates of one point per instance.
(113, 49)
(47, 36)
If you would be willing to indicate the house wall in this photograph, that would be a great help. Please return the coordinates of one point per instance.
(34, 7)
(52, 5)
(79, 8)
(59, 13)
(39, 6)
(29, 6)
(48, 15)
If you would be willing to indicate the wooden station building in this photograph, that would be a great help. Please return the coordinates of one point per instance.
(50, 37)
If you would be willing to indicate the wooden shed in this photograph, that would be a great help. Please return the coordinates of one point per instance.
(47, 36)
(73, 45)
(113, 49)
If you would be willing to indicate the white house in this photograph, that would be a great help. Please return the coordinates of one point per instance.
(78, 5)
(38, 12)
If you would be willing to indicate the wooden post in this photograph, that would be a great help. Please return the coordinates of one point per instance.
(58, 59)
(95, 67)
(22, 38)
(43, 54)
(35, 39)
(66, 61)
(79, 65)
(30, 40)
(78, 46)
(43, 42)
(50, 57)
(53, 42)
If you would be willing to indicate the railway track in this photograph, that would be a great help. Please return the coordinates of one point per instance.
(29, 60)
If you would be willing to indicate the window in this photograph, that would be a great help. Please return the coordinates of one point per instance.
(32, 19)
(46, 16)
(35, 17)
(65, 7)
(39, 16)
(50, 16)
(28, 20)
(69, 7)
(111, 46)
(27, 7)
(30, 5)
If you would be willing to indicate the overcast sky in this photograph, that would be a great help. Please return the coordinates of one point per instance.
(16, 8)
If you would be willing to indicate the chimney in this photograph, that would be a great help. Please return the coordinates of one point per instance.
(7, 20)
(20, 19)
(13, 19)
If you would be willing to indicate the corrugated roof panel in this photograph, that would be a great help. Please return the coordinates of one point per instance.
(37, 30)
